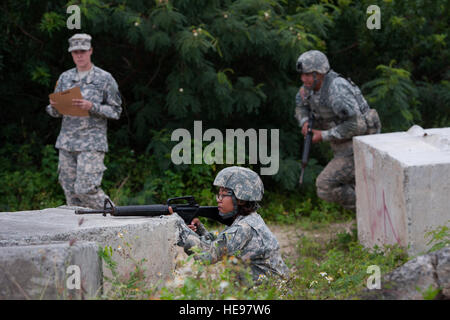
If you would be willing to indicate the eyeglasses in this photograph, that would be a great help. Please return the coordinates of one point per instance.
(220, 196)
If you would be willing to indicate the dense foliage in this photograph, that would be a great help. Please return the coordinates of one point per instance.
(227, 63)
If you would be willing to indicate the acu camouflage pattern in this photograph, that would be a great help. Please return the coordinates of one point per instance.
(341, 112)
(313, 61)
(338, 107)
(245, 183)
(80, 41)
(336, 182)
(80, 176)
(248, 239)
(88, 133)
(82, 141)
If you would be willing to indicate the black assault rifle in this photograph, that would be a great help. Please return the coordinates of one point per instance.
(307, 146)
(187, 211)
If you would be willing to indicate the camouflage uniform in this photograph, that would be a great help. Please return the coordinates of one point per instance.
(341, 112)
(248, 238)
(82, 141)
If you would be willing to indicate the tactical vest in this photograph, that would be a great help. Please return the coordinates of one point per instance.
(328, 79)
(370, 115)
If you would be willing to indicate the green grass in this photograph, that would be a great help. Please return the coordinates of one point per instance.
(325, 269)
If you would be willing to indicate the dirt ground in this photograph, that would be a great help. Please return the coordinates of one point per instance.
(288, 236)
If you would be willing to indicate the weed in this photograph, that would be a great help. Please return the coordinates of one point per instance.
(439, 238)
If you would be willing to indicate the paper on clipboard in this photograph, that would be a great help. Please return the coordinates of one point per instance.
(63, 101)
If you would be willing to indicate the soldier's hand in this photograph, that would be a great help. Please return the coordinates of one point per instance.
(302, 93)
(317, 136)
(305, 129)
(194, 224)
(82, 104)
(52, 103)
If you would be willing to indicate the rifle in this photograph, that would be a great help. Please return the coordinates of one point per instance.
(307, 146)
(187, 211)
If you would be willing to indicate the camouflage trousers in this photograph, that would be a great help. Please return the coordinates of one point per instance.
(80, 174)
(336, 183)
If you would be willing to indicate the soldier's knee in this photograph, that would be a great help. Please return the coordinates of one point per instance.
(82, 189)
(88, 183)
(325, 194)
(323, 183)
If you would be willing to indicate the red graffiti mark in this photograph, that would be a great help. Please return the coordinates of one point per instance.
(385, 213)
(382, 213)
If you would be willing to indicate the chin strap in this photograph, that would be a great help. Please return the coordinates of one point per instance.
(233, 213)
(315, 80)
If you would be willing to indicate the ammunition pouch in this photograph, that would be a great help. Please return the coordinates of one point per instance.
(373, 121)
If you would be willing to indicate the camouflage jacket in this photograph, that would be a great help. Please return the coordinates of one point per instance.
(338, 108)
(88, 133)
(248, 239)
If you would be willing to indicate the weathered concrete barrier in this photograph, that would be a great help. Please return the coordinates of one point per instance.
(45, 271)
(149, 241)
(402, 186)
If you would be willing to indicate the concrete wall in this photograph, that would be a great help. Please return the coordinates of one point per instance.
(62, 234)
(402, 186)
(42, 271)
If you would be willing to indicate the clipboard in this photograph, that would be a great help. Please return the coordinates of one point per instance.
(63, 101)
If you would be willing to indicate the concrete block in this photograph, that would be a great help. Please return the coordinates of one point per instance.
(149, 241)
(48, 271)
(402, 186)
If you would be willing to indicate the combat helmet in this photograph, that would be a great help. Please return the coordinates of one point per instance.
(244, 183)
(313, 61)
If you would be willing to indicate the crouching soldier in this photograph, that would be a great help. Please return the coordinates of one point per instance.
(340, 112)
(248, 238)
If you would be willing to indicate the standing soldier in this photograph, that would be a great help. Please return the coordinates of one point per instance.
(82, 141)
(340, 112)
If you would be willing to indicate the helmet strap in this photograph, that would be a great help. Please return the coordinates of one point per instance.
(233, 213)
(315, 81)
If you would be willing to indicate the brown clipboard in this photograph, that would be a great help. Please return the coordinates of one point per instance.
(63, 101)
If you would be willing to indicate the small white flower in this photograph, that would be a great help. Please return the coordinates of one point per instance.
(233, 260)
(119, 248)
(312, 283)
(181, 90)
(120, 235)
(136, 24)
(266, 15)
(323, 274)
(225, 16)
(223, 285)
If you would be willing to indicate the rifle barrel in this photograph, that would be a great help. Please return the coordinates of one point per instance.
(301, 175)
(80, 211)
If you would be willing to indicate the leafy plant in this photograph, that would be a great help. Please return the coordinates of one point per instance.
(393, 93)
(439, 238)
